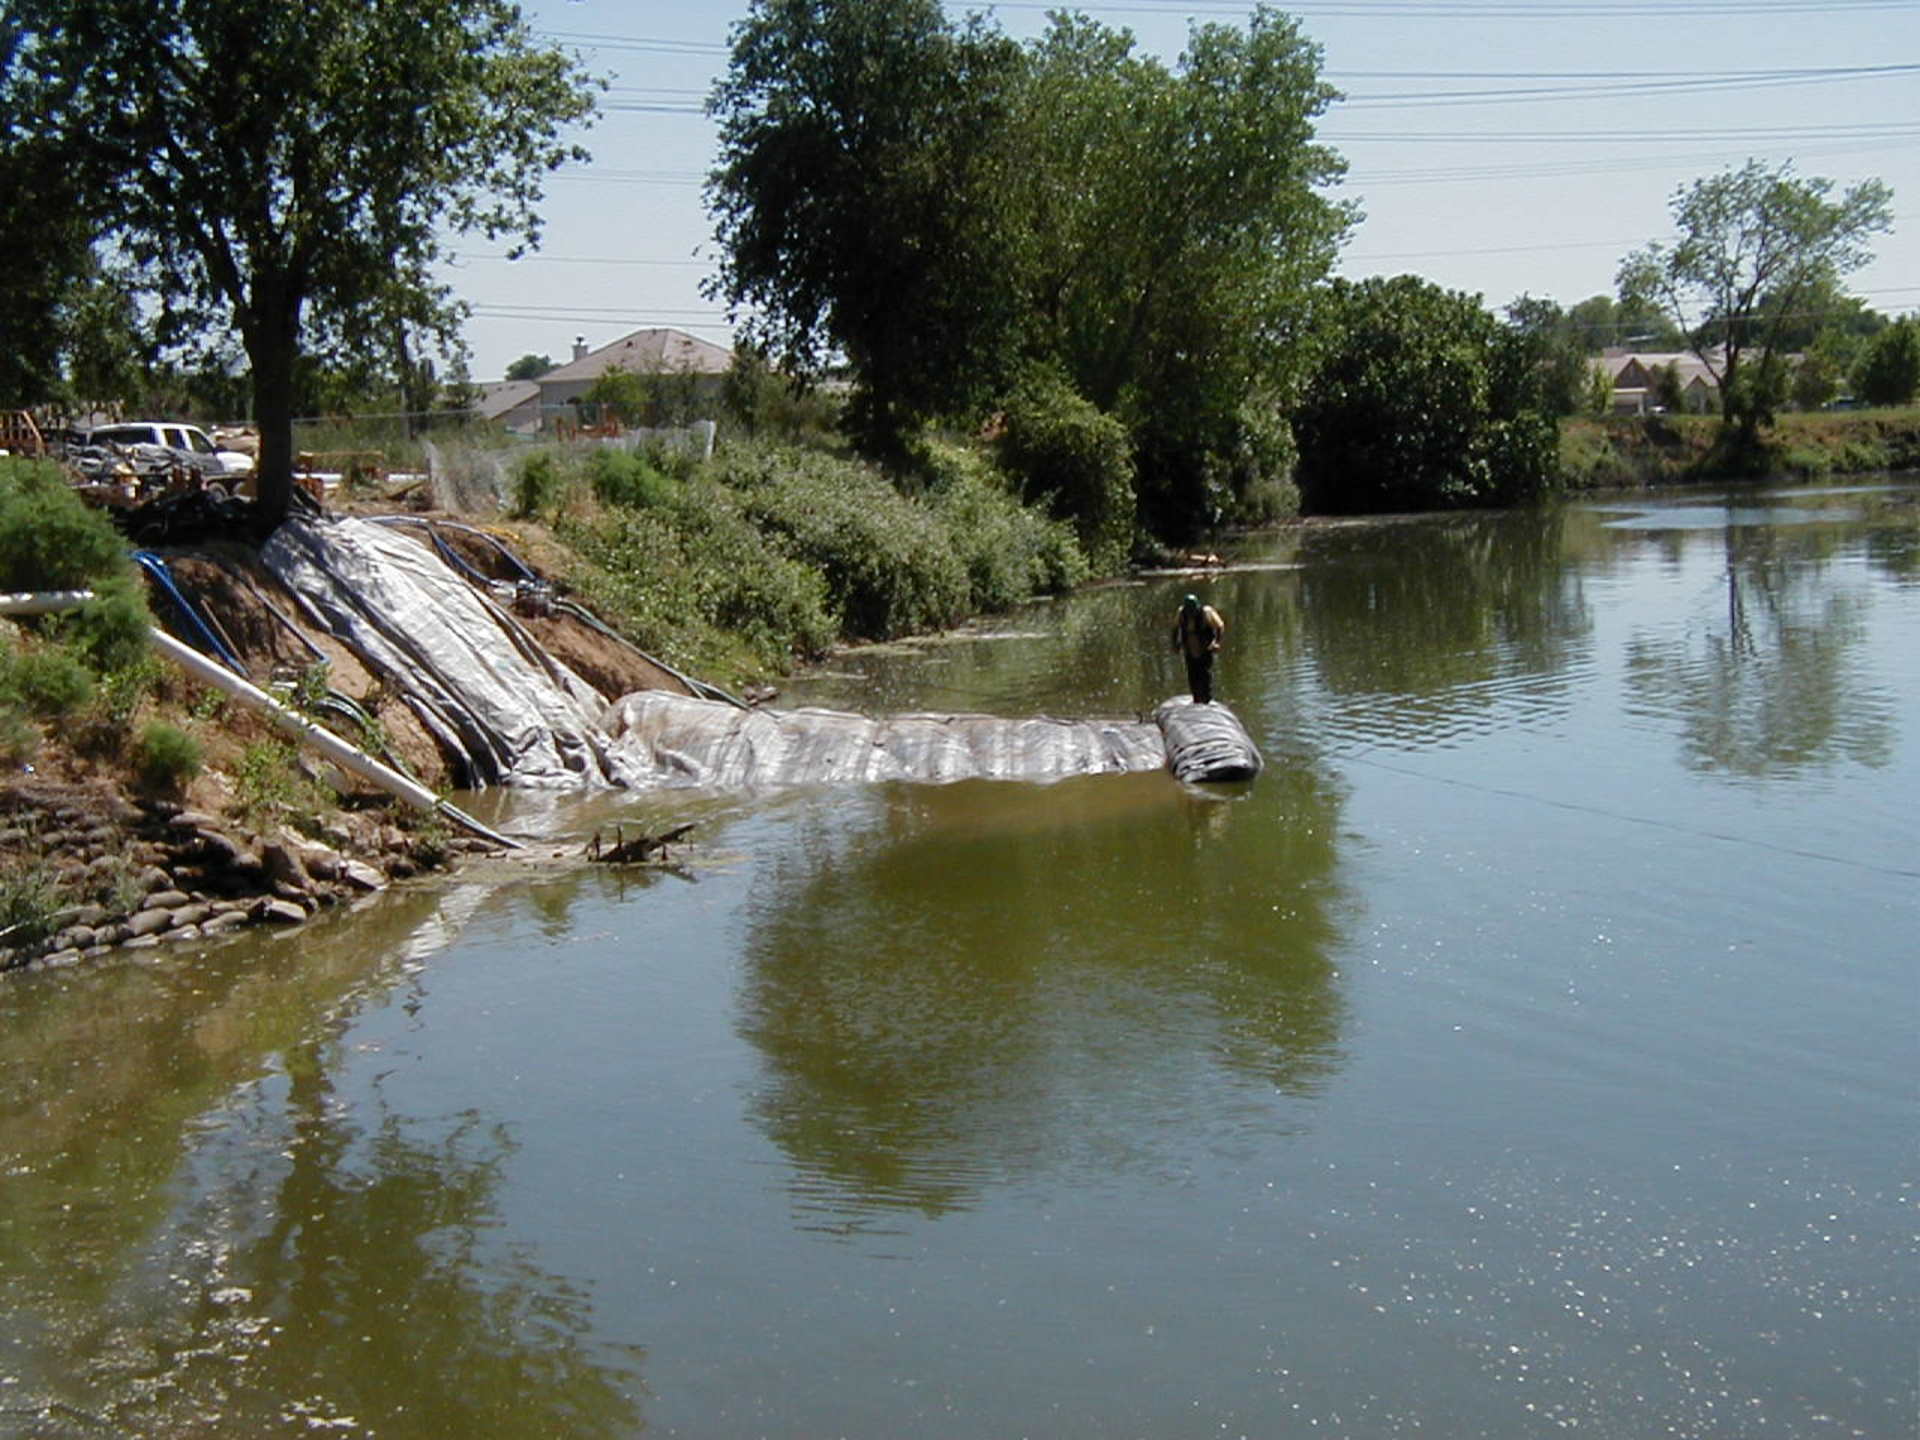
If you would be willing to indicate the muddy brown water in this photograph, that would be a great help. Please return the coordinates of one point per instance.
(1531, 1048)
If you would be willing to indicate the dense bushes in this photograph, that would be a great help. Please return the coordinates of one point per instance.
(1011, 551)
(889, 563)
(91, 657)
(1077, 461)
(738, 564)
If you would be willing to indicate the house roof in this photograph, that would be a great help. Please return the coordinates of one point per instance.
(504, 395)
(647, 352)
(1690, 367)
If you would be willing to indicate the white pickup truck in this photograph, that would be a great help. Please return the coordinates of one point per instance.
(209, 459)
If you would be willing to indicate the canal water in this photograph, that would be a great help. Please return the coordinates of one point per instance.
(1532, 1048)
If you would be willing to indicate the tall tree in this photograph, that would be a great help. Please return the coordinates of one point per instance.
(1171, 226)
(1754, 244)
(292, 171)
(44, 232)
(955, 215)
(852, 199)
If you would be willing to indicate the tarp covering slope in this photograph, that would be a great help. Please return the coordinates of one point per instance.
(1206, 743)
(706, 742)
(491, 695)
(477, 680)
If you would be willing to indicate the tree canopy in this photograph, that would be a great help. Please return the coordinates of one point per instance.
(291, 173)
(960, 219)
(1889, 372)
(1754, 246)
(1421, 400)
(529, 367)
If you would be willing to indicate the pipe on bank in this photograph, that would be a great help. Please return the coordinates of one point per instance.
(347, 757)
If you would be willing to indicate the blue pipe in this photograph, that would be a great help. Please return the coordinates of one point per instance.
(157, 569)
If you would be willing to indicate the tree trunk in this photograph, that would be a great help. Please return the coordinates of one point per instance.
(272, 342)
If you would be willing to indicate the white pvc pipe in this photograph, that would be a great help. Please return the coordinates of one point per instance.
(292, 721)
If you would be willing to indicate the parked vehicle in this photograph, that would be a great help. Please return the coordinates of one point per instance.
(189, 440)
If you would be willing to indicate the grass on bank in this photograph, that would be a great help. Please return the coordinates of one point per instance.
(1629, 451)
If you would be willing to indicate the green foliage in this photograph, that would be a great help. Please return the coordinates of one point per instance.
(649, 398)
(1756, 247)
(760, 403)
(855, 195)
(48, 682)
(529, 367)
(1011, 552)
(1418, 403)
(890, 567)
(1600, 321)
(1890, 370)
(165, 756)
(1599, 399)
(538, 487)
(270, 787)
(30, 899)
(626, 478)
(944, 208)
(231, 151)
(49, 538)
(1816, 379)
(1554, 343)
(113, 629)
(680, 577)
(19, 736)
(1076, 461)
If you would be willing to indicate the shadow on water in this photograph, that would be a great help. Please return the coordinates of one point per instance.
(981, 987)
(199, 1236)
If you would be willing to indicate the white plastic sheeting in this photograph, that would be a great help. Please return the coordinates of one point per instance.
(478, 681)
(1206, 743)
(491, 694)
(705, 742)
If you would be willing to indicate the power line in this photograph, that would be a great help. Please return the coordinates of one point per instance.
(1482, 9)
(1884, 131)
(1453, 174)
(1756, 80)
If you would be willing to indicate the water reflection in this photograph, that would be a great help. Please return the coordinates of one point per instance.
(1444, 625)
(1768, 681)
(202, 1234)
(976, 988)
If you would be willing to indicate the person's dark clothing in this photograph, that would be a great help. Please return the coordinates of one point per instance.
(1197, 634)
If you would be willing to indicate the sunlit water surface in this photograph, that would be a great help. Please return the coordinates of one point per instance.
(1531, 1048)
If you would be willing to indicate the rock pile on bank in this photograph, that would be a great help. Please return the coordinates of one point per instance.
(139, 873)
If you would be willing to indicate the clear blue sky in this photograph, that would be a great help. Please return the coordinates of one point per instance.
(1496, 146)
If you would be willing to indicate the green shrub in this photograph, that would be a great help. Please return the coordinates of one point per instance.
(165, 756)
(538, 487)
(114, 629)
(1069, 455)
(49, 539)
(627, 479)
(889, 564)
(677, 579)
(1011, 553)
(19, 736)
(30, 899)
(269, 786)
(47, 681)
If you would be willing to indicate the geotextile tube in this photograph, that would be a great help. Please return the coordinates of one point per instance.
(678, 740)
(1206, 744)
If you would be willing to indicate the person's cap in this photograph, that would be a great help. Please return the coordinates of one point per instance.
(1192, 602)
